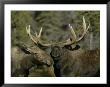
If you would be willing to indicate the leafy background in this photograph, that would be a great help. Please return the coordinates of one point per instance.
(55, 26)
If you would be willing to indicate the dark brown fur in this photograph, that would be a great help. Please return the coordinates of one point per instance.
(79, 62)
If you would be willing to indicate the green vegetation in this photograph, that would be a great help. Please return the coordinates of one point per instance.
(54, 23)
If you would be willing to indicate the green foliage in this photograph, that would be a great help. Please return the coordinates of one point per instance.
(19, 20)
(52, 20)
(92, 17)
(54, 23)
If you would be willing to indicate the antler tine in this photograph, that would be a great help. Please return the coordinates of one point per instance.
(28, 29)
(84, 24)
(31, 36)
(73, 33)
(40, 32)
(88, 27)
(85, 30)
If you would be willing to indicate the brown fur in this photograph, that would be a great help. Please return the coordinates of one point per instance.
(23, 64)
(80, 62)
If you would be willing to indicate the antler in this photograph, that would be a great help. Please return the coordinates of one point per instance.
(36, 38)
(85, 29)
(74, 38)
(33, 38)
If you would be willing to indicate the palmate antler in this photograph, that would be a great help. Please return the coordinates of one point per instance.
(36, 38)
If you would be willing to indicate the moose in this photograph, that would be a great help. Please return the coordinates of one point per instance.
(24, 64)
(25, 58)
(66, 58)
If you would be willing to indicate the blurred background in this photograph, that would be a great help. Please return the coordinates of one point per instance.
(55, 26)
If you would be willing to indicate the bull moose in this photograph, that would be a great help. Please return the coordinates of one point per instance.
(66, 58)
